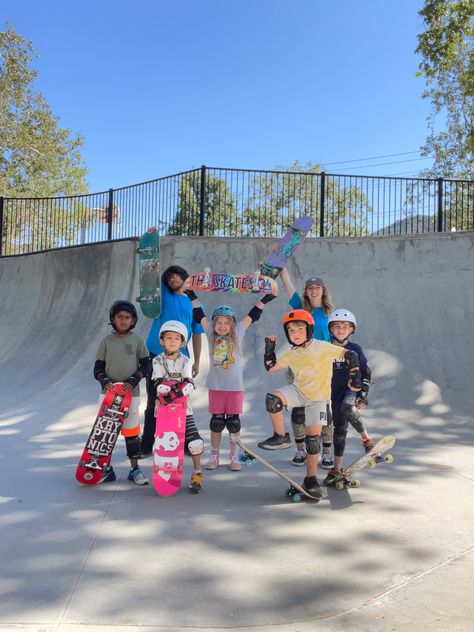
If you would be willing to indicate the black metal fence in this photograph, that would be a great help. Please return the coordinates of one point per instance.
(239, 203)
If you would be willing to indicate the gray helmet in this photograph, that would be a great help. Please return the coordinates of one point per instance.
(341, 313)
(176, 326)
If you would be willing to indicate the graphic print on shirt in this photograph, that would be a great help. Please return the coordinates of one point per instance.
(223, 353)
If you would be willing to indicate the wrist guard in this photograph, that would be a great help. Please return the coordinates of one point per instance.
(103, 380)
(133, 380)
(269, 357)
(267, 298)
(191, 294)
(255, 313)
(198, 314)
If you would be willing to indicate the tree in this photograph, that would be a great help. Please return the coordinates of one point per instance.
(38, 158)
(447, 51)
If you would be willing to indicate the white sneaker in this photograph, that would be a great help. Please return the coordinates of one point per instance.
(235, 464)
(327, 462)
(213, 462)
(299, 458)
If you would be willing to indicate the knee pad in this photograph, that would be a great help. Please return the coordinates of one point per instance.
(326, 435)
(298, 415)
(273, 403)
(299, 431)
(350, 414)
(312, 443)
(196, 446)
(217, 423)
(133, 447)
(233, 423)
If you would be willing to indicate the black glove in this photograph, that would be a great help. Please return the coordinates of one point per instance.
(269, 357)
(267, 298)
(191, 294)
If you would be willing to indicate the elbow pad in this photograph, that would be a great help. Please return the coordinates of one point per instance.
(198, 314)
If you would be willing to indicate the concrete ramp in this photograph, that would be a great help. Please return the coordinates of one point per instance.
(395, 554)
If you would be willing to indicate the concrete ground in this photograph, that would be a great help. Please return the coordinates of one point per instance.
(395, 554)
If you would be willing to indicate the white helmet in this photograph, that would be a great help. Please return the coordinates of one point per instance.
(341, 313)
(176, 326)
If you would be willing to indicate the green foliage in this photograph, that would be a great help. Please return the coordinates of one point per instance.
(447, 51)
(38, 158)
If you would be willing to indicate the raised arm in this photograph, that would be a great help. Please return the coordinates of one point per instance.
(256, 311)
(287, 283)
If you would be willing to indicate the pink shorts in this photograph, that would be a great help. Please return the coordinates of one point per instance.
(226, 402)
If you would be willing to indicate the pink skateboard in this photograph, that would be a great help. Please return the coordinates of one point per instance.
(97, 453)
(168, 451)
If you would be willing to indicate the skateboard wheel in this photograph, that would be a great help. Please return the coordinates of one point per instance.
(296, 498)
(372, 464)
(340, 485)
(389, 458)
(355, 483)
(288, 491)
(242, 459)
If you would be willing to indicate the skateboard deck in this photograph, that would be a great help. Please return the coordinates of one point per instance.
(285, 248)
(103, 436)
(370, 459)
(168, 451)
(150, 274)
(295, 491)
(208, 281)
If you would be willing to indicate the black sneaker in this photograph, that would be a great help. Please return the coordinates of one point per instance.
(311, 485)
(333, 477)
(276, 442)
(299, 458)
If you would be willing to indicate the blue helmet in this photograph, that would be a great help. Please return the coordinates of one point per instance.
(224, 310)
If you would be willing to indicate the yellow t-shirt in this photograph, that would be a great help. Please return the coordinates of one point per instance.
(312, 367)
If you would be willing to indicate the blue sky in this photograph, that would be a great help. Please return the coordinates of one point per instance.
(162, 86)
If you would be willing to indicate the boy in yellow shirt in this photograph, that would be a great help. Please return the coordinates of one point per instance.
(311, 362)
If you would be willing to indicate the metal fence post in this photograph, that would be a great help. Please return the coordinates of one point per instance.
(1, 224)
(440, 205)
(110, 209)
(322, 203)
(202, 201)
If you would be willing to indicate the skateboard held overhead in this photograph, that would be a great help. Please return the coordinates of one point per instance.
(150, 274)
(295, 491)
(97, 453)
(208, 281)
(168, 451)
(291, 240)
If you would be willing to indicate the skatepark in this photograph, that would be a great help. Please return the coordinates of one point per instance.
(395, 554)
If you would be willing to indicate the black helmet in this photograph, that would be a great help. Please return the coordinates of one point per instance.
(123, 306)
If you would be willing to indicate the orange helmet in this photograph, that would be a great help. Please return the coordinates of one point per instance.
(299, 315)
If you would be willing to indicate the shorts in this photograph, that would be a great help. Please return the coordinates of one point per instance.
(131, 424)
(316, 413)
(226, 402)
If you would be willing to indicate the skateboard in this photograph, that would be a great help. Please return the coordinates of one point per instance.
(294, 491)
(149, 272)
(103, 436)
(370, 459)
(168, 451)
(208, 281)
(291, 240)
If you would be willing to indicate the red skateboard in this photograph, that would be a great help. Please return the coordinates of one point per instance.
(168, 451)
(103, 436)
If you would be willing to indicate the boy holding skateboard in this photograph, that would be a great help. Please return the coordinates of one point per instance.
(172, 379)
(123, 357)
(345, 403)
(307, 358)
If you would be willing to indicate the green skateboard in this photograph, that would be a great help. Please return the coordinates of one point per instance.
(150, 273)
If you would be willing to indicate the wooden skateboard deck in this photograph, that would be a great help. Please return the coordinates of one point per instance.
(370, 459)
(208, 281)
(295, 491)
(168, 451)
(150, 274)
(285, 248)
(103, 436)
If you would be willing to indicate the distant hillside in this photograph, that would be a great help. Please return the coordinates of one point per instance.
(410, 225)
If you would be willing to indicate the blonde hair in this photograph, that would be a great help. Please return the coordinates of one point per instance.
(326, 302)
(231, 336)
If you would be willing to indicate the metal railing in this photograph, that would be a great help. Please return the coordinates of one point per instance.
(226, 202)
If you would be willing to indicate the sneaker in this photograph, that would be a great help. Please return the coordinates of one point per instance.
(367, 444)
(299, 458)
(234, 464)
(213, 462)
(327, 461)
(108, 475)
(312, 486)
(137, 476)
(333, 476)
(276, 442)
(195, 484)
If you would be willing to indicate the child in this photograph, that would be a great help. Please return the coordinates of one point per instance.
(318, 302)
(170, 368)
(311, 363)
(225, 378)
(345, 403)
(123, 357)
